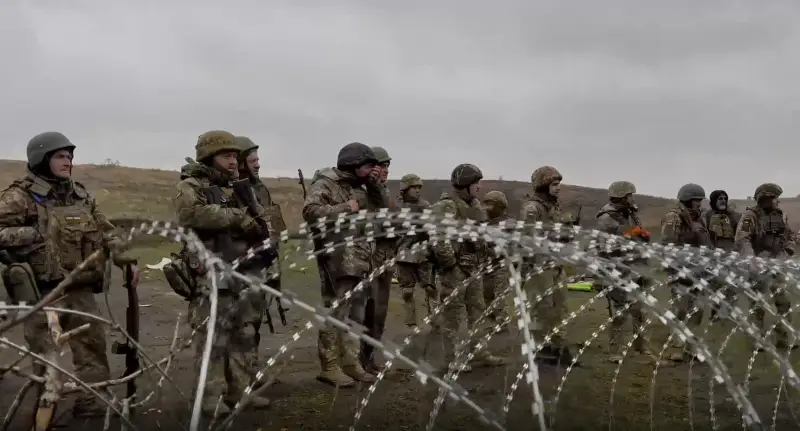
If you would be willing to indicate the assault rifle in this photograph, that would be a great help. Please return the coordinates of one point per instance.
(128, 348)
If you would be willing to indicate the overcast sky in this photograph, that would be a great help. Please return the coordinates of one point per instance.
(656, 92)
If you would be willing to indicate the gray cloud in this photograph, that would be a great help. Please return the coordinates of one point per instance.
(660, 93)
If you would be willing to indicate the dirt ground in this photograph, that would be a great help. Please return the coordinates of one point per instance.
(402, 403)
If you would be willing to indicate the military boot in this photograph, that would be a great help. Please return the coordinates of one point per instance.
(409, 307)
(256, 402)
(357, 373)
(334, 376)
(565, 357)
(486, 359)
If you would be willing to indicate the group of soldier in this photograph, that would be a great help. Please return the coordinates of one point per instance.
(49, 223)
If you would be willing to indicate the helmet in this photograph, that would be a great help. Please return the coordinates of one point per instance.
(545, 176)
(690, 192)
(495, 197)
(246, 146)
(410, 180)
(211, 143)
(381, 155)
(355, 155)
(45, 143)
(771, 190)
(620, 189)
(465, 175)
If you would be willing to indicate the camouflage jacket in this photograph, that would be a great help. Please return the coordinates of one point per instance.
(328, 195)
(53, 227)
(679, 227)
(469, 253)
(212, 221)
(545, 209)
(765, 234)
(722, 228)
(272, 210)
(417, 206)
(617, 221)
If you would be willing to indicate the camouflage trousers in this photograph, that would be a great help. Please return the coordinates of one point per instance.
(617, 300)
(234, 350)
(775, 288)
(88, 348)
(467, 305)
(494, 284)
(550, 311)
(686, 309)
(377, 307)
(409, 276)
(335, 347)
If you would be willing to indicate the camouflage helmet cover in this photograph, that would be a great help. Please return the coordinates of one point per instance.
(690, 192)
(246, 146)
(496, 197)
(211, 143)
(410, 180)
(355, 155)
(767, 190)
(620, 189)
(465, 175)
(381, 154)
(45, 143)
(545, 176)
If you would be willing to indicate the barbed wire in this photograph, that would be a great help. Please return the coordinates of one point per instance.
(540, 247)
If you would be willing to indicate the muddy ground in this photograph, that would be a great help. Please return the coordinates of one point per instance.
(402, 403)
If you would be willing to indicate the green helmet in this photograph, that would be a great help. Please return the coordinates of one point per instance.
(211, 143)
(45, 143)
(246, 146)
(410, 180)
(765, 190)
(620, 189)
(690, 192)
(354, 155)
(497, 198)
(465, 175)
(545, 176)
(381, 154)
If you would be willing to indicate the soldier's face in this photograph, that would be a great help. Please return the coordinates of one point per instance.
(413, 192)
(630, 200)
(722, 202)
(384, 171)
(252, 163)
(555, 188)
(61, 164)
(367, 170)
(697, 204)
(475, 188)
(228, 161)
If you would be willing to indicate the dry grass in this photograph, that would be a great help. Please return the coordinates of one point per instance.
(133, 193)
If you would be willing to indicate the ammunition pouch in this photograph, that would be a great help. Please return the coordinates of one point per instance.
(179, 277)
(20, 283)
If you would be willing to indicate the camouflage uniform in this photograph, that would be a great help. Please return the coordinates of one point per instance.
(496, 282)
(49, 225)
(722, 223)
(456, 261)
(341, 270)
(682, 225)
(414, 268)
(381, 289)
(216, 219)
(552, 309)
(764, 231)
(619, 218)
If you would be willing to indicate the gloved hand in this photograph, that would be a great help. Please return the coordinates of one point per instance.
(253, 229)
(117, 248)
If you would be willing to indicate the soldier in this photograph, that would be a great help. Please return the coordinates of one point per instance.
(381, 288)
(414, 268)
(722, 222)
(249, 168)
(347, 188)
(618, 217)
(496, 281)
(764, 231)
(683, 225)
(210, 203)
(49, 224)
(456, 261)
(543, 206)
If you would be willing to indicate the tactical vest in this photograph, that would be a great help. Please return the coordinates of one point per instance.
(692, 232)
(272, 209)
(723, 230)
(770, 229)
(70, 232)
(469, 253)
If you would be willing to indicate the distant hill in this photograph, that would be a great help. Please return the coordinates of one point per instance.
(134, 193)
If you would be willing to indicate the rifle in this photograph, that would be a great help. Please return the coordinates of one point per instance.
(578, 216)
(302, 182)
(128, 348)
(244, 192)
